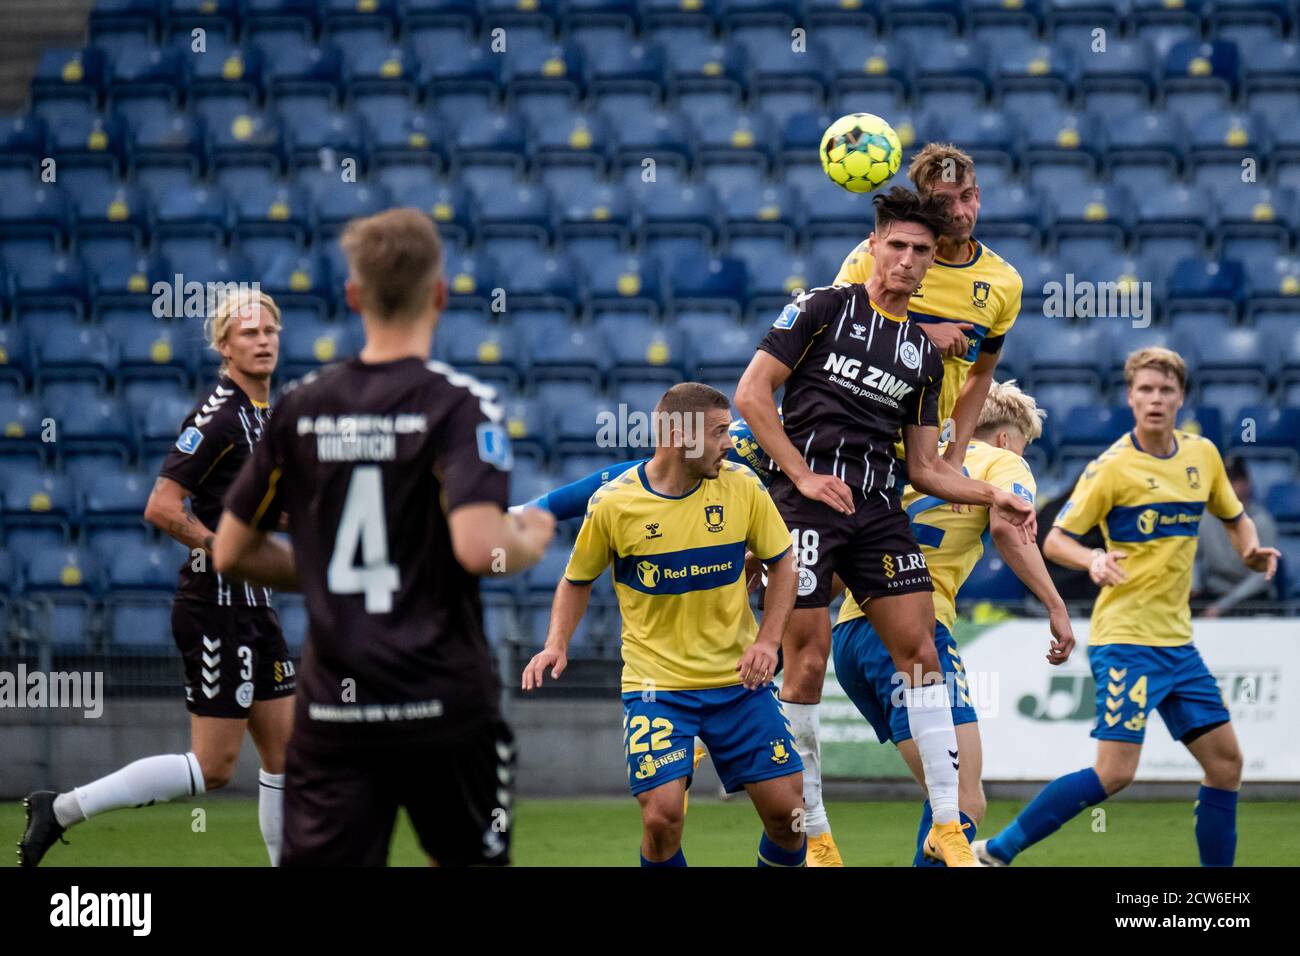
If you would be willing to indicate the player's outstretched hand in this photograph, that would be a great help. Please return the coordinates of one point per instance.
(949, 337)
(1062, 637)
(1019, 512)
(556, 660)
(827, 489)
(757, 666)
(1105, 570)
(1263, 560)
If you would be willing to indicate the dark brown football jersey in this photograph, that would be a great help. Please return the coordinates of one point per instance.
(368, 460)
(217, 437)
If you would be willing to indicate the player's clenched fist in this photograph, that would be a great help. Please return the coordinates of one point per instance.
(551, 657)
(827, 489)
(1263, 560)
(757, 665)
(1105, 570)
(949, 337)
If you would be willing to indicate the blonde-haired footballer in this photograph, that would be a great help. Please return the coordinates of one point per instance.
(239, 677)
(966, 304)
(1148, 491)
(952, 538)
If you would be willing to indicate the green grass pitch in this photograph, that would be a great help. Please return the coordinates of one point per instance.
(606, 832)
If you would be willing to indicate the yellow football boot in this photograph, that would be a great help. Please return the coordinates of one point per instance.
(947, 843)
(822, 851)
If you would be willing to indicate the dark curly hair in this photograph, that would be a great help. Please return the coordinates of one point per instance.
(902, 205)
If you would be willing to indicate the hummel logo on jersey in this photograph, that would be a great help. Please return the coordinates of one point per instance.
(652, 531)
(212, 405)
(859, 332)
(953, 755)
(1151, 483)
(875, 378)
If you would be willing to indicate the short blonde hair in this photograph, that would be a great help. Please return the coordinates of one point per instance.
(929, 165)
(395, 258)
(1007, 405)
(217, 325)
(1159, 359)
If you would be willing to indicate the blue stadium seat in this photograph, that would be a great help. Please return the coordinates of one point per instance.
(219, 18)
(721, 281)
(452, 206)
(240, 132)
(471, 277)
(1195, 65)
(1065, 137)
(63, 584)
(459, 66)
(115, 498)
(375, 63)
(296, 16)
(717, 345)
(541, 65)
(497, 138)
(867, 65)
(1274, 282)
(152, 351)
(338, 202)
(295, 64)
(1175, 211)
(20, 428)
(572, 409)
(137, 67)
(641, 351)
(318, 134)
(342, 17)
(1276, 431)
(55, 281)
(119, 210)
(993, 580)
(1237, 353)
(544, 282)
(1061, 352)
(828, 209)
(63, 74)
(221, 66)
(303, 280)
(1092, 428)
(470, 343)
(1147, 137)
(530, 438)
(401, 132)
(688, 210)
(307, 341)
(618, 63)
(110, 16)
(665, 137)
(1227, 135)
(16, 365)
(135, 620)
(41, 499)
(272, 210)
(624, 283)
(103, 426)
(22, 142)
(1274, 15)
(162, 422)
(697, 61)
(989, 136)
(954, 64)
(126, 280)
(1207, 281)
(37, 211)
(1015, 210)
(1283, 502)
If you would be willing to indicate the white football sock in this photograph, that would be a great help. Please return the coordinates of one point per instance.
(149, 780)
(929, 716)
(270, 811)
(804, 719)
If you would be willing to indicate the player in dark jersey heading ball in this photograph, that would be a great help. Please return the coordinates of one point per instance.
(238, 672)
(394, 471)
(855, 372)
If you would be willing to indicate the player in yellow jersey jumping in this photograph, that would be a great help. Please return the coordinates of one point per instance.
(952, 538)
(1148, 491)
(966, 304)
(695, 663)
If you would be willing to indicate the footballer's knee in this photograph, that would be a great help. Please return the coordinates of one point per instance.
(915, 655)
(1115, 777)
(218, 768)
(662, 820)
(1224, 772)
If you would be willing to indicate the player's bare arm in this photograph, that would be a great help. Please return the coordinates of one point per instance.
(933, 476)
(242, 551)
(758, 664)
(754, 400)
(966, 412)
(567, 608)
(488, 541)
(948, 337)
(1027, 562)
(166, 511)
(1102, 566)
(1245, 540)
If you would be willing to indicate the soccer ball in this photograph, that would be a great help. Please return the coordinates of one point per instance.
(860, 152)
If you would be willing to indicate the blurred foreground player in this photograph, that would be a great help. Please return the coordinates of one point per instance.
(394, 472)
(1148, 491)
(695, 663)
(238, 671)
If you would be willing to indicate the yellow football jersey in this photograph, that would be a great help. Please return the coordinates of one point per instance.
(984, 291)
(679, 572)
(1150, 508)
(953, 537)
